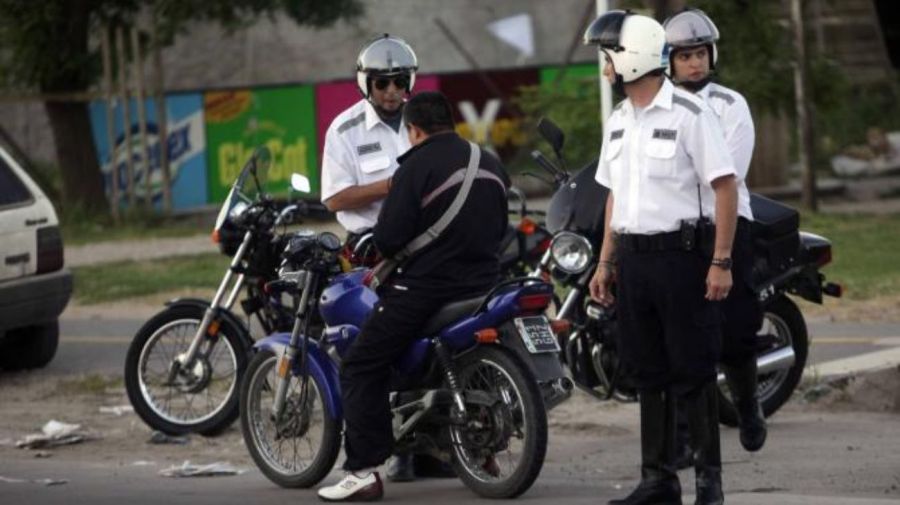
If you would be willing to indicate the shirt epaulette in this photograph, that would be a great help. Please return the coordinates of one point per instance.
(724, 96)
(350, 123)
(686, 103)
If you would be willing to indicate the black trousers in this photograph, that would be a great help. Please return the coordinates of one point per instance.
(741, 310)
(366, 370)
(669, 334)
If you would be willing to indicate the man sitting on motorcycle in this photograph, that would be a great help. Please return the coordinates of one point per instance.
(460, 263)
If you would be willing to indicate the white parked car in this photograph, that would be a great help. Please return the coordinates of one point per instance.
(34, 286)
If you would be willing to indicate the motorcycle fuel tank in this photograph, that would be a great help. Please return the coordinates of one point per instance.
(347, 300)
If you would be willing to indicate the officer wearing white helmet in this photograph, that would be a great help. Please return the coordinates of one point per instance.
(671, 267)
(363, 142)
(692, 36)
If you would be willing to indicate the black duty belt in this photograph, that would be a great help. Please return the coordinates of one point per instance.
(658, 242)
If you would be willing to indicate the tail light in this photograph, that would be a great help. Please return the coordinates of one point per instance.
(824, 258)
(49, 249)
(536, 302)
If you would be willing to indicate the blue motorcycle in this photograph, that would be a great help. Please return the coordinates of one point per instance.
(473, 391)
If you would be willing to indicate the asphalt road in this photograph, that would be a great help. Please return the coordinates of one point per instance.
(99, 345)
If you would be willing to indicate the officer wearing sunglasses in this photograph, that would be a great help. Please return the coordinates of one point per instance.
(363, 142)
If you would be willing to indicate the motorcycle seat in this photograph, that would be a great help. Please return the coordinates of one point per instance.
(451, 313)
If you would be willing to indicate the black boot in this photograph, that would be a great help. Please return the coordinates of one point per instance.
(703, 417)
(659, 483)
(742, 382)
(684, 454)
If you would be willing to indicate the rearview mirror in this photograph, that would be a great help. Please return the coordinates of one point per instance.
(552, 134)
(300, 183)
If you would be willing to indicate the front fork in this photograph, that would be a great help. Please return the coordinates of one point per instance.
(295, 347)
(186, 359)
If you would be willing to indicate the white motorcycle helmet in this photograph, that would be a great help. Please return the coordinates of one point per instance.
(385, 56)
(691, 28)
(635, 44)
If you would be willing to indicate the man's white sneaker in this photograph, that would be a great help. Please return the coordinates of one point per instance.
(364, 486)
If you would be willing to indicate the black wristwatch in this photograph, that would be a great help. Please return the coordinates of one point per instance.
(723, 263)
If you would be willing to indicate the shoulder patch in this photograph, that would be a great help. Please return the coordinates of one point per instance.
(724, 96)
(350, 123)
(686, 103)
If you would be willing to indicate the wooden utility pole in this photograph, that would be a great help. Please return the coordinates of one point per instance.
(126, 115)
(162, 120)
(804, 127)
(142, 115)
(110, 124)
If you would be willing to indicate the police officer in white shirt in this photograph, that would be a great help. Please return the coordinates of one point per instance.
(660, 146)
(692, 36)
(363, 142)
(361, 150)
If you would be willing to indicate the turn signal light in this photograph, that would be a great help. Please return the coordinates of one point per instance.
(486, 336)
(527, 226)
(560, 326)
(215, 236)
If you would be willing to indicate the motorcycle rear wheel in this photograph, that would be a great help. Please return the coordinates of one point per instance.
(203, 399)
(276, 447)
(500, 474)
(784, 320)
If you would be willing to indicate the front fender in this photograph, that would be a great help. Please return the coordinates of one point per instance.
(226, 316)
(321, 367)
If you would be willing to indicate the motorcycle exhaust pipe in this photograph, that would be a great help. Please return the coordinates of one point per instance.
(771, 362)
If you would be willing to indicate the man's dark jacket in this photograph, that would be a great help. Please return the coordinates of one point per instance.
(464, 258)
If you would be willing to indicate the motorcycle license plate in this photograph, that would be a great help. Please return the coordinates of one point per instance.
(536, 334)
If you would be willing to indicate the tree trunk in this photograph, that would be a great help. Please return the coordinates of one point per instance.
(77, 157)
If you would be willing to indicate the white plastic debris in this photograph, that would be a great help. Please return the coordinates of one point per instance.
(43, 482)
(219, 468)
(159, 437)
(54, 433)
(117, 410)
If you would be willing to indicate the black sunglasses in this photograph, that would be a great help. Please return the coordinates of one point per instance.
(400, 81)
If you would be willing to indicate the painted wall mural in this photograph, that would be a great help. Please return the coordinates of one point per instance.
(212, 134)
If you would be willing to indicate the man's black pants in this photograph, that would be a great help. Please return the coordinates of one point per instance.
(669, 334)
(366, 370)
(741, 309)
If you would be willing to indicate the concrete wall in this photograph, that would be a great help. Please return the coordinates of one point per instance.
(277, 51)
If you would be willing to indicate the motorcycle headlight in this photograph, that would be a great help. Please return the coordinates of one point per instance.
(238, 209)
(571, 252)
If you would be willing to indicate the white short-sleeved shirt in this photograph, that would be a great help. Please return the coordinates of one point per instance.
(654, 159)
(737, 125)
(359, 149)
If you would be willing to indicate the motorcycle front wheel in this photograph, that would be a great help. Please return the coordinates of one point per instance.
(299, 449)
(500, 451)
(200, 398)
(784, 326)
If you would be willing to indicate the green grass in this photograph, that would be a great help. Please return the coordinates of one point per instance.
(865, 251)
(78, 229)
(115, 281)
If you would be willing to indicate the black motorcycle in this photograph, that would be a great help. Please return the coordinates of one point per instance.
(787, 261)
(184, 365)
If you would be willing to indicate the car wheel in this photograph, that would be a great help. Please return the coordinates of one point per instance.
(30, 347)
